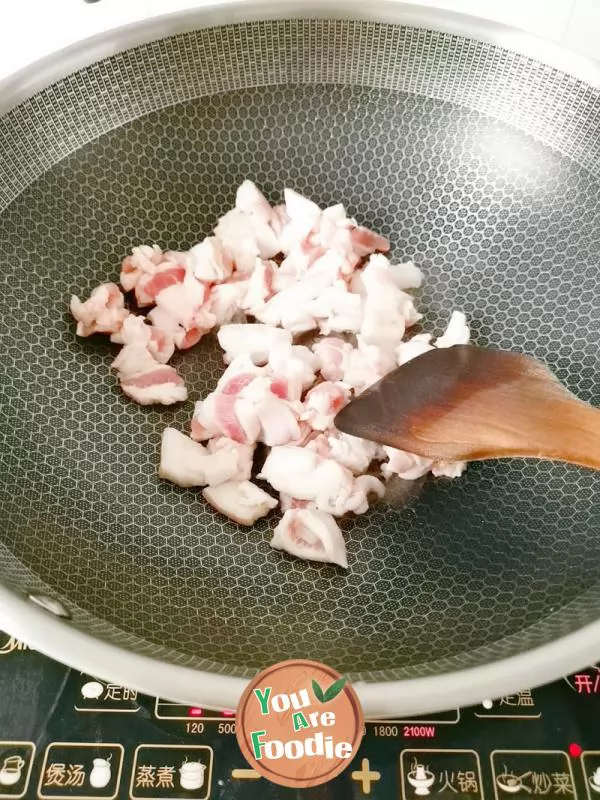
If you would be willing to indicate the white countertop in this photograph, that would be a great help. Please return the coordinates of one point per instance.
(30, 29)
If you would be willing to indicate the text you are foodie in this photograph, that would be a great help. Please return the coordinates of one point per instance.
(310, 742)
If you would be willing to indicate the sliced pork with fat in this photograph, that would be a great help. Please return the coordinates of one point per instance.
(244, 454)
(188, 463)
(143, 261)
(144, 379)
(457, 332)
(333, 356)
(305, 475)
(323, 403)
(448, 469)
(350, 451)
(255, 341)
(242, 501)
(310, 534)
(250, 200)
(417, 346)
(136, 330)
(162, 386)
(210, 261)
(406, 465)
(180, 312)
(149, 286)
(103, 312)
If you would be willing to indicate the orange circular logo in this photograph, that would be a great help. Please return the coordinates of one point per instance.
(299, 723)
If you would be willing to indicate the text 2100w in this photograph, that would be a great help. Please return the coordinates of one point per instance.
(408, 731)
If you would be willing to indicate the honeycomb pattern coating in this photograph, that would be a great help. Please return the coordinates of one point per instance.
(504, 228)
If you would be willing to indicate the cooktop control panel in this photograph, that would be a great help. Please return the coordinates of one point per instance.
(69, 736)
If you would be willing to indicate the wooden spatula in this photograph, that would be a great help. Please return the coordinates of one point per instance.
(464, 403)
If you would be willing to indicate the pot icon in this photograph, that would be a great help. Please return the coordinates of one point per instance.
(594, 780)
(11, 770)
(191, 775)
(420, 778)
(100, 774)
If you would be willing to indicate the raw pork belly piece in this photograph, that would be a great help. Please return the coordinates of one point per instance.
(310, 534)
(242, 501)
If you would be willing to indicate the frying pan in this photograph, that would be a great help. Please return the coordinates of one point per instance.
(477, 152)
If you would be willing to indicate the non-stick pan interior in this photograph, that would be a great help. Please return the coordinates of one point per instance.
(468, 158)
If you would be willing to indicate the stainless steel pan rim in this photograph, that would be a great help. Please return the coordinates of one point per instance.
(57, 638)
(46, 71)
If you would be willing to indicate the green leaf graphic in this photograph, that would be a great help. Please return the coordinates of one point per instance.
(335, 689)
(318, 691)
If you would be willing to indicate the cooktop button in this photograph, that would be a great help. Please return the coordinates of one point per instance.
(173, 772)
(524, 773)
(92, 694)
(81, 771)
(590, 764)
(365, 776)
(585, 683)
(443, 773)
(513, 706)
(16, 761)
(245, 775)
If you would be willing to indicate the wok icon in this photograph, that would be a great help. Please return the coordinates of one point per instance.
(510, 783)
